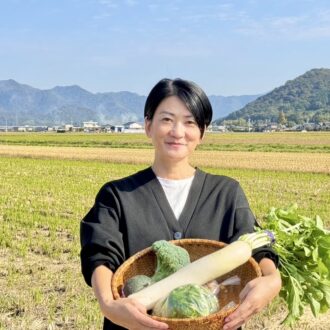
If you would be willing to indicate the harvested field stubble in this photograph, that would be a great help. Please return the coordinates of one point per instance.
(284, 161)
(41, 204)
(274, 142)
(45, 191)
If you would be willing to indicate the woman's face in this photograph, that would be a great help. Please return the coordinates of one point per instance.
(173, 130)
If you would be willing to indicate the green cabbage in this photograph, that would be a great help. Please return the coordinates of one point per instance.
(187, 301)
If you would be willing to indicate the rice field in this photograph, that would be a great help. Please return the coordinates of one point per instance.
(267, 142)
(45, 191)
(285, 161)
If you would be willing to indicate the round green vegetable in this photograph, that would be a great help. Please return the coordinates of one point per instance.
(135, 284)
(187, 301)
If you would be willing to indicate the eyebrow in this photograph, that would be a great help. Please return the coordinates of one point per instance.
(165, 112)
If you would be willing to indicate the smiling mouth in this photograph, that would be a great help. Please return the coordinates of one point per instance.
(176, 144)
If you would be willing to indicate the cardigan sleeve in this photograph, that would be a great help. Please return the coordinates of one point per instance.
(245, 222)
(101, 234)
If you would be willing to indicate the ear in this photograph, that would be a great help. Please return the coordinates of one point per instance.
(147, 124)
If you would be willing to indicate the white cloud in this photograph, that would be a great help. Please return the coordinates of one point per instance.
(324, 16)
(316, 32)
(287, 21)
(313, 25)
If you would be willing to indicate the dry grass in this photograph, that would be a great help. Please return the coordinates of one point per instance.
(277, 141)
(42, 201)
(271, 317)
(43, 293)
(295, 162)
(283, 138)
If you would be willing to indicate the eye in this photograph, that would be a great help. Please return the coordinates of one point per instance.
(191, 123)
(166, 119)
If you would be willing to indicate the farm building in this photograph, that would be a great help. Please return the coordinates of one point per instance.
(91, 126)
(133, 127)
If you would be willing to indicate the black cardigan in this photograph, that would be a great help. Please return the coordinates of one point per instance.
(131, 213)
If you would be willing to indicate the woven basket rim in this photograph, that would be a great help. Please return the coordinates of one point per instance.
(182, 242)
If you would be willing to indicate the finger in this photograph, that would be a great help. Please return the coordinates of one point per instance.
(142, 314)
(147, 321)
(232, 327)
(239, 316)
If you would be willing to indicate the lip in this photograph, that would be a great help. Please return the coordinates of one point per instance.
(175, 144)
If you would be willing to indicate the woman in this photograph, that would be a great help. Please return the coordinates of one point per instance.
(169, 200)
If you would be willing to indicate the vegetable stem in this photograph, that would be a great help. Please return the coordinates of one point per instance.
(258, 239)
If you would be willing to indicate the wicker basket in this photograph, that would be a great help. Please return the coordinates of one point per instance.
(144, 262)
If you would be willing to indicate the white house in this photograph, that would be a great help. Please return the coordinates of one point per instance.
(90, 124)
(133, 127)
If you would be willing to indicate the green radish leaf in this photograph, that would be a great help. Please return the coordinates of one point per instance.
(315, 305)
(318, 222)
(308, 251)
(303, 245)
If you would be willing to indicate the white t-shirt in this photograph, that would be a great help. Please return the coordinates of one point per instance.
(176, 192)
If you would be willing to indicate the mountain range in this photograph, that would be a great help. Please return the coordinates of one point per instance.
(303, 99)
(22, 104)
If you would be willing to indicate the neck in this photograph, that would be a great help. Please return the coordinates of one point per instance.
(174, 171)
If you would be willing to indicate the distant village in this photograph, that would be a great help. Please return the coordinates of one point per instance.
(86, 127)
(272, 127)
(138, 127)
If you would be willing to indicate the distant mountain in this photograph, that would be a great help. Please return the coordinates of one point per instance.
(24, 105)
(224, 105)
(305, 98)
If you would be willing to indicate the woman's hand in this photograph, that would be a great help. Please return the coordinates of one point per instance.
(255, 296)
(125, 312)
(130, 314)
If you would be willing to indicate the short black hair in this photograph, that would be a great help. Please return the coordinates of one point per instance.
(188, 92)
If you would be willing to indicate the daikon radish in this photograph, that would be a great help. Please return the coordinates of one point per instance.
(206, 268)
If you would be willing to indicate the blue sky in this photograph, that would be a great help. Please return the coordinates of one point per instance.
(227, 47)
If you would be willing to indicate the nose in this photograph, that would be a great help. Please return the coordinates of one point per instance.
(177, 130)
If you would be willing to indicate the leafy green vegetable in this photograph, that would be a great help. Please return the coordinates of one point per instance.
(187, 301)
(303, 245)
(170, 258)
